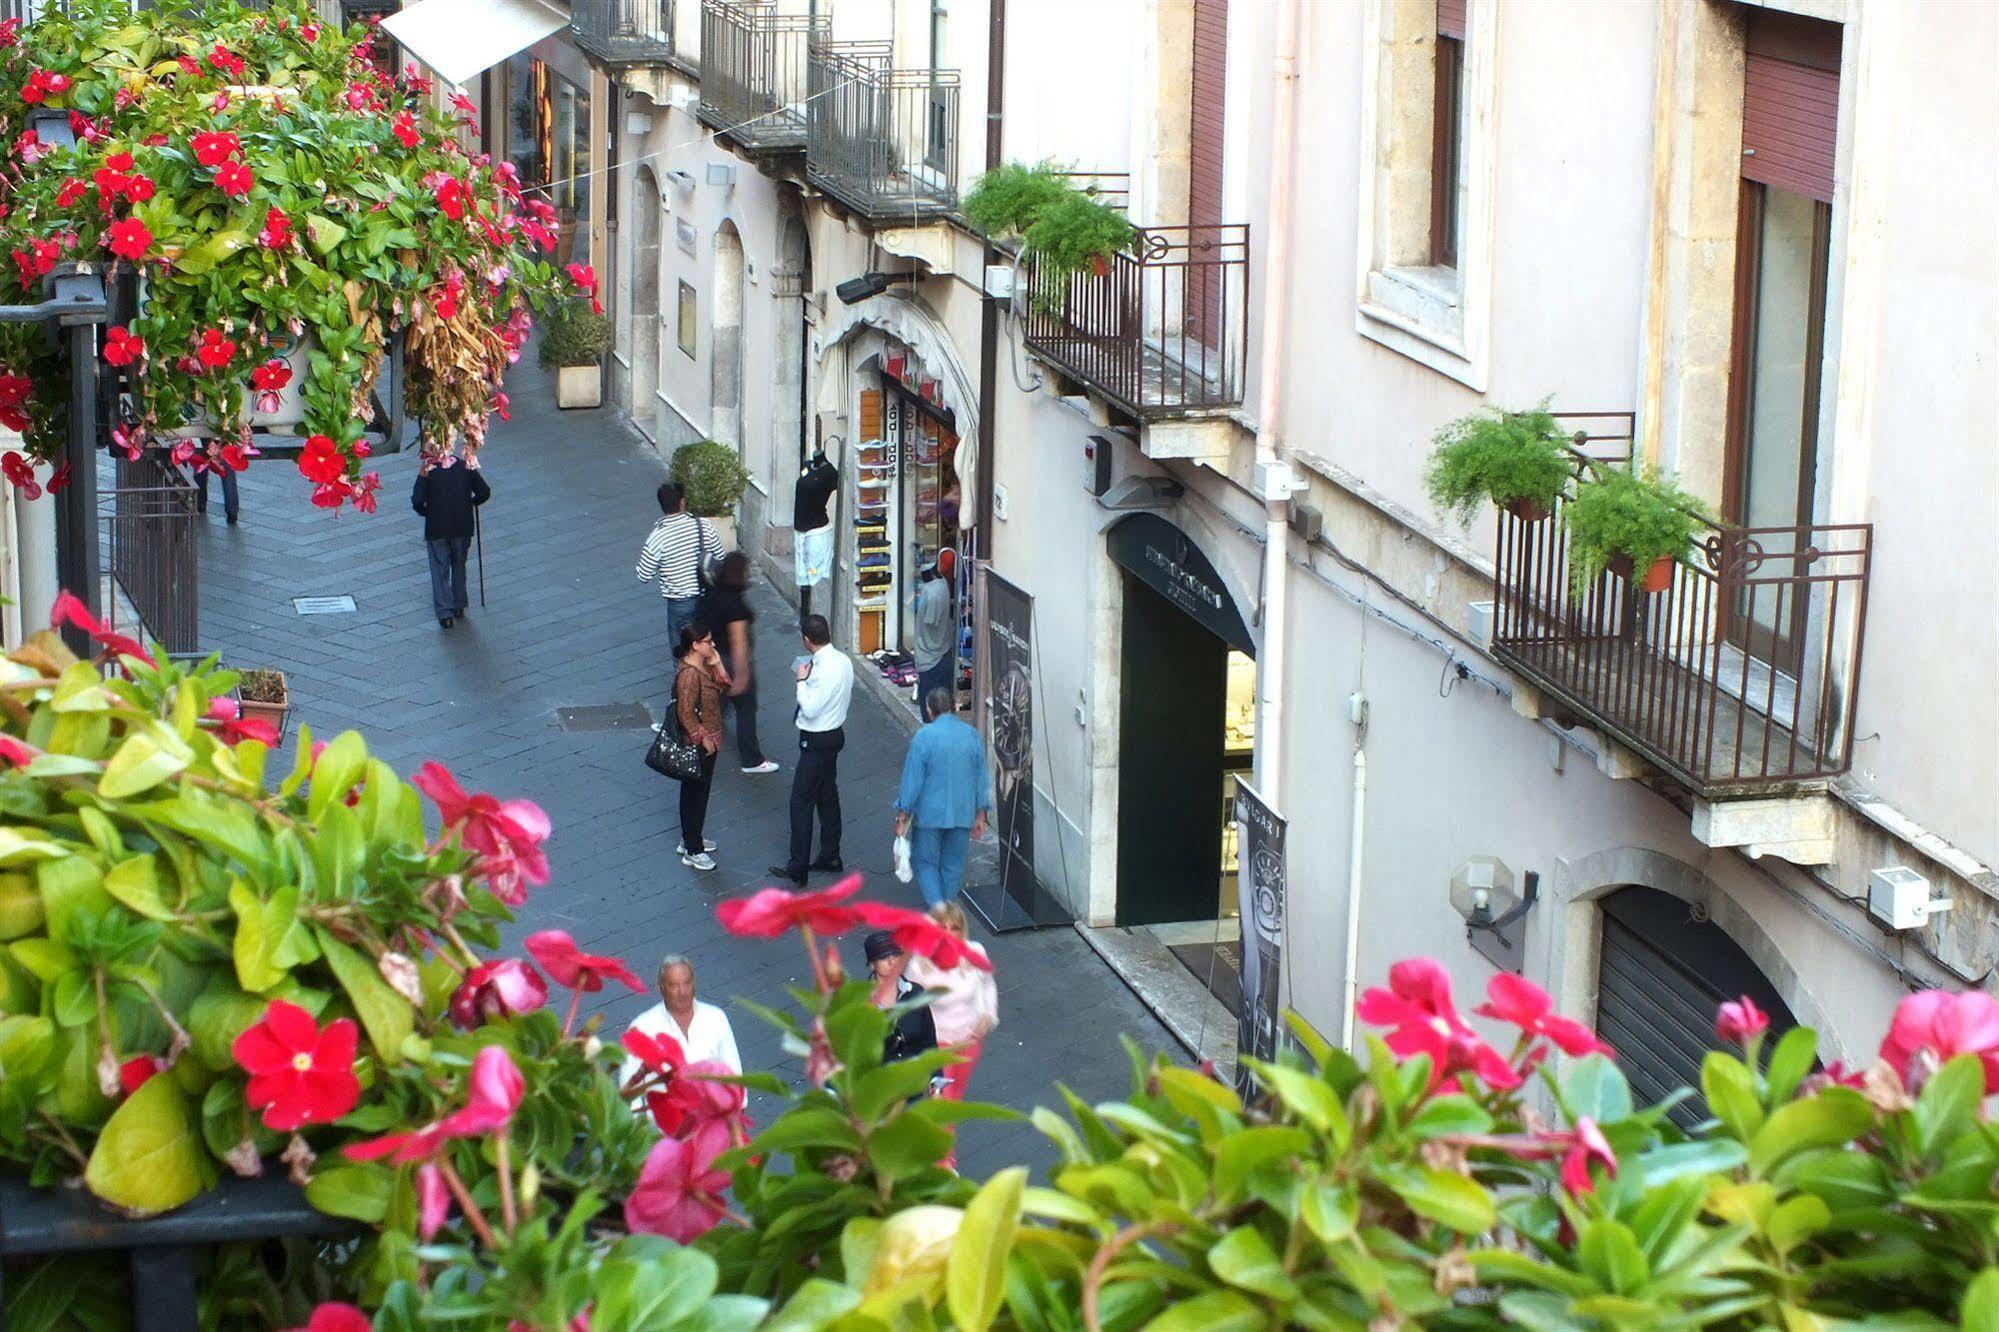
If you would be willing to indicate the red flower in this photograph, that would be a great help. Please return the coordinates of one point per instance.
(137, 1071)
(119, 161)
(18, 755)
(232, 727)
(14, 392)
(129, 239)
(1585, 1145)
(1417, 1004)
(451, 196)
(20, 473)
(487, 824)
(693, 1097)
(214, 147)
(214, 351)
(220, 58)
(1527, 1006)
(70, 611)
(661, 1054)
(277, 232)
(38, 260)
(69, 192)
(299, 1074)
(433, 1201)
(404, 128)
(235, 457)
(1932, 1028)
(497, 989)
(771, 911)
(446, 304)
(334, 1317)
(138, 189)
(494, 1089)
(42, 85)
(917, 933)
(464, 106)
(1739, 1019)
(575, 969)
(122, 346)
(678, 1190)
(10, 32)
(321, 462)
(271, 376)
(585, 278)
(234, 179)
(59, 478)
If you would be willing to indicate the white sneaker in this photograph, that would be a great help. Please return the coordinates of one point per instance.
(768, 765)
(700, 860)
(706, 845)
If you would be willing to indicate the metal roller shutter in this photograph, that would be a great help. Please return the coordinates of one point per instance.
(1790, 103)
(1451, 18)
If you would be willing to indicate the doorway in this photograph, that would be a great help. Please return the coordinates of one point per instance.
(645, 302)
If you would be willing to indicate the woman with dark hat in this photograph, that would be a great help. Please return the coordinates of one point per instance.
(914, 1031)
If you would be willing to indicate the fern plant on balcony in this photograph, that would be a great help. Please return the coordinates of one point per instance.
(1635, 524)
(1063, 229)
(1518, 460)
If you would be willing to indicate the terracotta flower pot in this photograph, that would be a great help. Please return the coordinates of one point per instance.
(1528, 509)
(1657, 578)
(274, 711)
(1100, 265)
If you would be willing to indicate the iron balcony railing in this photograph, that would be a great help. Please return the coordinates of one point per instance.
(1739, 678)
(148, 525)
(1157, 329)
(754, 72)
(623, 32)
(883, 141)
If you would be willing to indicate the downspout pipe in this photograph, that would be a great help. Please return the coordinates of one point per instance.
(1274, 478)
(1356, 846)
(989, 321)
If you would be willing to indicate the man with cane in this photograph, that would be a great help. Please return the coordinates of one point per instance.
(447, 491)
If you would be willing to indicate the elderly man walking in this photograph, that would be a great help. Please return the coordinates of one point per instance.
(703, 1030)
(946, 796)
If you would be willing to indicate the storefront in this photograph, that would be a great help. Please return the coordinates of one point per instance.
(538, 118)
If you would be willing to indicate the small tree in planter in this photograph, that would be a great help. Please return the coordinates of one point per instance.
(1637, 526)
(1517, 460)
(573, 346)
(714, 479)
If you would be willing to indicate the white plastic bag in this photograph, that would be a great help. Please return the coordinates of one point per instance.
(903, 872)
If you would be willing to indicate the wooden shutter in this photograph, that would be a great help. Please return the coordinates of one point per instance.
(871, 415)
(1204, 163)
(1451, 18)
(1790, 103)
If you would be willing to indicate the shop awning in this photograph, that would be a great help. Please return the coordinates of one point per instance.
(461, 39)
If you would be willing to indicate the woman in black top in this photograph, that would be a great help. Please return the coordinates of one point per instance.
(726, 610)
(914, 1031)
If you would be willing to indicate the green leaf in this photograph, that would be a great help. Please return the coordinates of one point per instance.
(975, 1276)
(1240, 1154)
(215, 1021)
(72, 892)
(199, 259)
(906, 1145)
(26, 1046)
(73, 999)
(1789, 1062)
(1796, 1220)
(144, 761)
(1730, 1089)
(729, 1313)
(1981, 1302)
(261, 927)
(1308, 1098)
(136, 883)
(1214, 1311)
(1053, 1205)
(813, 1306)
(1708, 1156)
(324, 232)
(17, 848)
(386, 1015)
(1597, 1089)
(807, 1126)
(336, 770)
(353, 1189)
(1833, 1118)
(1609, 1252)
(1446, 1198)
(650, 1283)
(1450, 1114)
(149, 1158)
(1244, 1259)
(1947, 1107)
(1329, 1210)
(20, 906)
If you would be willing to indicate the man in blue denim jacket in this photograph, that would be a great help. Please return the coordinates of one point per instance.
(946, 797)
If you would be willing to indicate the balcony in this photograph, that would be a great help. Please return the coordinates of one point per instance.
(1737, 680)
(753, 76)
(882, 141)
(621, 33)
(1158, 330)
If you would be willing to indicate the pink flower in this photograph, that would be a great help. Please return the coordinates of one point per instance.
(916, 933)
(1509, 998)
(1585, 1145)
(661, 1054)
(498, 989)
(770, 912)
(677, 1194)
(333, 1317)
(433, 1201)
(585, 278)
(694, 1096)
(575, 969)
(1417, 1005)
(487, 824)
(494, 1089)
(232, 727)
(1739, 1019)
(68, 610)
(1934, 1027)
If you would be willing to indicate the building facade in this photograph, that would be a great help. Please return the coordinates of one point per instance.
(1711, 233)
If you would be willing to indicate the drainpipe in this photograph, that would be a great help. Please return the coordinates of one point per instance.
(989, 322)
(1356, 845)
(1274, 477)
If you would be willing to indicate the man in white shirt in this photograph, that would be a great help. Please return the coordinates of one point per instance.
(703, 1030)
(825, 687)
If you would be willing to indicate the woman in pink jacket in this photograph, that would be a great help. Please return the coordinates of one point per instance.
(966, 1007)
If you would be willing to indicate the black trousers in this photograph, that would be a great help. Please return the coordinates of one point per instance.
(745, 707)
(815, 789)
(447, 574)
(694, 805)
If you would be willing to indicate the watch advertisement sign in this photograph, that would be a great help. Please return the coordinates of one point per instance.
(1010, 657)
(1260, 894)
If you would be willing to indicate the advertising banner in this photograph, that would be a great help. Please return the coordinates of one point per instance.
(1010, 663)
(1260, 892)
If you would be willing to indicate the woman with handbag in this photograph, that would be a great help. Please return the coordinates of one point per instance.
(698, 688)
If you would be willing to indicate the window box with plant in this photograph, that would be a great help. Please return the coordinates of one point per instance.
(1518, 460)
(1064, 230)
(1636, 526)
(574, 347)
(713, 479)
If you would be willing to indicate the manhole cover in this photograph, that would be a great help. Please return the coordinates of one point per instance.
(340, 605)
(605, 717)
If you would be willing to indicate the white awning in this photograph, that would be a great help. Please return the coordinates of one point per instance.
(461, 39)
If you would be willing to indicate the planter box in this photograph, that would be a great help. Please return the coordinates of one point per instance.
(276, 713)
(725, 531)
(579, 386)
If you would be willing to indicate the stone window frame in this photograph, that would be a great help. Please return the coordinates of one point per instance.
(1438, 317)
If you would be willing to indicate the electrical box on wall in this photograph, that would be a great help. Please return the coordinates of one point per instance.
(638, 122)
(1097, 465)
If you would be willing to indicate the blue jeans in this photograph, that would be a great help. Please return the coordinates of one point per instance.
(679, 614)
(937, 855)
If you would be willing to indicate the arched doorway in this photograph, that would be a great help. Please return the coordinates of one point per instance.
(726, 352)
(644, 405)
(790, 445)
(1663, 969)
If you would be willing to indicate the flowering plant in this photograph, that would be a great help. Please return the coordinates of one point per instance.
(284, 208)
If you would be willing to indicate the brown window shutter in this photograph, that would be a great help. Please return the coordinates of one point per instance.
(1451, 18)
(1790, 103)
(871, 414)
(1204, 164)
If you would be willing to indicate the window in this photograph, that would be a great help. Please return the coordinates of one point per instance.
(687, 319)
(937, 130)
(1446, 136)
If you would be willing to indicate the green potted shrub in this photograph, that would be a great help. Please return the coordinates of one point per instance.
(714, 480)
(1636, 526)
(1518, 460)
(574, 348)
(1074, 233)
(1006, 200)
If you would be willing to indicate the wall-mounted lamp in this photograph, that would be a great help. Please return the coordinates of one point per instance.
(868, 285)
(1495, 915)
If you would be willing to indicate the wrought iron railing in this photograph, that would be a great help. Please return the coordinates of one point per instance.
(754, 73)
(149, 535)
(1158, 329)
(1739, 677)
(882, 141)
(624, 32)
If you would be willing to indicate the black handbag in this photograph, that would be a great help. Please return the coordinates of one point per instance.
(672, 754)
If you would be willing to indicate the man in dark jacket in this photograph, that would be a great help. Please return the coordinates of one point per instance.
(446, 490)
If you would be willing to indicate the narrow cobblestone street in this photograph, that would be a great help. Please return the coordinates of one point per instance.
(565, 624)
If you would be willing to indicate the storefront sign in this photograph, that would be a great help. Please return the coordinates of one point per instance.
(1010, 659)
(1260, 891)
(1166, 559)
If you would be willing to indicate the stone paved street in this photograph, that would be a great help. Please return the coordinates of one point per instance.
(566, 624)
